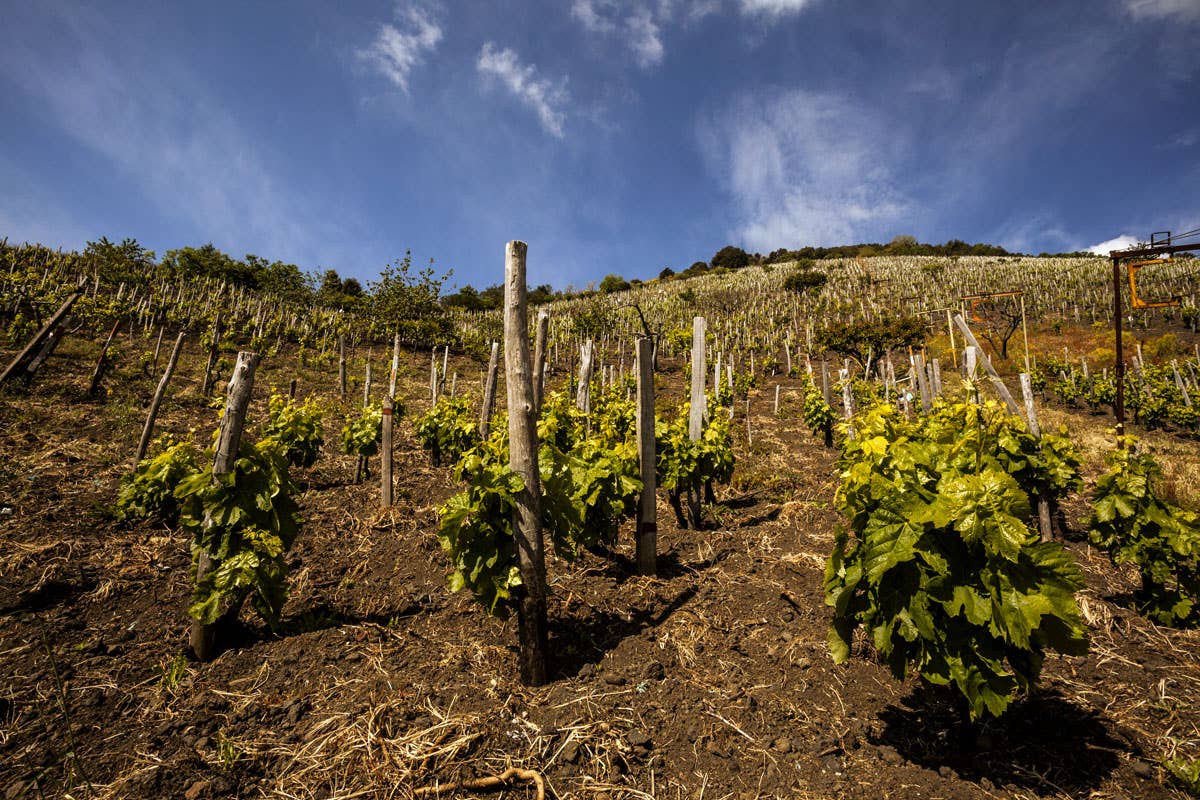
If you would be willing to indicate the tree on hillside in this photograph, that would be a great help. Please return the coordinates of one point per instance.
(127, 262)
(805, 281)
(730, 257)
(867, 341)
(613, 283)
(333, 292)
(408, 304)
(997, 321)
(206, 261)
(276, 277)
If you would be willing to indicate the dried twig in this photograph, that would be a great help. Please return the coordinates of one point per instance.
(491, 782)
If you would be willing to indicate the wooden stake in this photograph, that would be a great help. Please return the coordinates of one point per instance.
(148, 429)
(539, 360)
(229, 437)
(647, 541)
(489, 392)
(1043, 502)
(23, 361)
(530, 596)
(696, 415)
(385, 456)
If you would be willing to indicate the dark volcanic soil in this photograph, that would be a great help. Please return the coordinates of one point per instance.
(712, 680)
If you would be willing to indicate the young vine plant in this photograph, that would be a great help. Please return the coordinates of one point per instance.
(944, 571)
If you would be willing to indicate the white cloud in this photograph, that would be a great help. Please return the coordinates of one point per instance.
(644, 38)
(395, 53)
(806, 168)
(1122, 242)
(774, 8)
(545, 97)
(641, 29)
(1163, 9)
(591, 17)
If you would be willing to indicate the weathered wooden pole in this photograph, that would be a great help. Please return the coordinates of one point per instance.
(1005, 394)
(1119, 359)
(1043, 502)
(385, 456)
(489, 392)
(647, 539)
(342, 365)
(539, 360)
(395, 365)
(213, 349)
(229, 437)
(530, 596)
(102, 360)
(583, 393)
(157, 347)
(29, 353)
(148, 429)
(367, 386)
(696, 414)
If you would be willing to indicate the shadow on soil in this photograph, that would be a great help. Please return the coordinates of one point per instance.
(576, 641)
(1043, 742)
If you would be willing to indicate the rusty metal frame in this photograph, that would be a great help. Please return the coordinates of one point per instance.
(1132, 268)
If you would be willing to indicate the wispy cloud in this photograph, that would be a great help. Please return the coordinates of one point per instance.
(640, 28)
(547, 98)
(644, 38)
(398, 49)
(1163, 9)
(1183, 140)
(186, 155)
(774, 8)
(805, 168)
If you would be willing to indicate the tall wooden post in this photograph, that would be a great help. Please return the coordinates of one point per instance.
(229, 437)
(385, 456)
(489, 392)
(523, 452)
(1043, 502)
(1119, 365)
(647, 540)
(539, 360)
(148, 430)
(395, 365)
(218, 327)
(102, 361)
(583, 393)
(696, 416)
(342, 366)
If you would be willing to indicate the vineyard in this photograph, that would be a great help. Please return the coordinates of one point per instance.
(853, 527)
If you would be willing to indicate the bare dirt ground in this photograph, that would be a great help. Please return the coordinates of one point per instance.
(712, 680)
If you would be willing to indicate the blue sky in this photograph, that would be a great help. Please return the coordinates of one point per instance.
(611, 136)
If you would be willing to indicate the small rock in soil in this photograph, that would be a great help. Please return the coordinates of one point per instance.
(782, 745)
(638, 738)
(613, 679)
(197, 790)
(296, 710)
(946, 772)
(1143, 770)
(890, 756)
